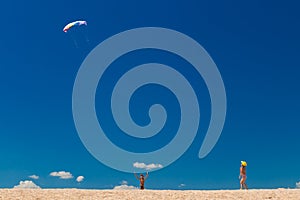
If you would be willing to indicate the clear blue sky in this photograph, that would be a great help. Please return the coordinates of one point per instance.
(255, 45)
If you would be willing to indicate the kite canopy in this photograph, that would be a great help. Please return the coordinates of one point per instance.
(244, 163)
(72, 24)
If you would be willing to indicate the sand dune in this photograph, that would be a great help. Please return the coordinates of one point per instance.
(78, 194)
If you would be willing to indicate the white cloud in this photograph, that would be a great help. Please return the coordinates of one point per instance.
(147, 167)
(26, 185)
(124, 182)
(34, 177)
(124, 186)
(62, 175)
(79, 179)
(181, 185)
(298, 185)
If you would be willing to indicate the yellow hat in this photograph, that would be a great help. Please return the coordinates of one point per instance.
(244, 163)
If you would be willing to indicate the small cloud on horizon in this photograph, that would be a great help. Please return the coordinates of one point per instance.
(62, 174)
(79, 179)
(124, 186)
(34, 177)
(147, 167)
(26, 185)
(124, 182)
(298, 185)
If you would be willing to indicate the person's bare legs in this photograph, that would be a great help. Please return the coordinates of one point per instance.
(243, 184)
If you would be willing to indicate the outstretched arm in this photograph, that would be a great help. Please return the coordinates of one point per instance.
(147, 174)
(136, 176)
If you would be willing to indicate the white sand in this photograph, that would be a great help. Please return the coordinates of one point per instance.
(77, 194)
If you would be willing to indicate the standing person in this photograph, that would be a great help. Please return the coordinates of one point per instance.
(142, 180)
(243, 176)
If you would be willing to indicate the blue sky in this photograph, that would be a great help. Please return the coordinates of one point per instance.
(254, 44)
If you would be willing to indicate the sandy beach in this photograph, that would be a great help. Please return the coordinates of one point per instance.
(76, 194)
